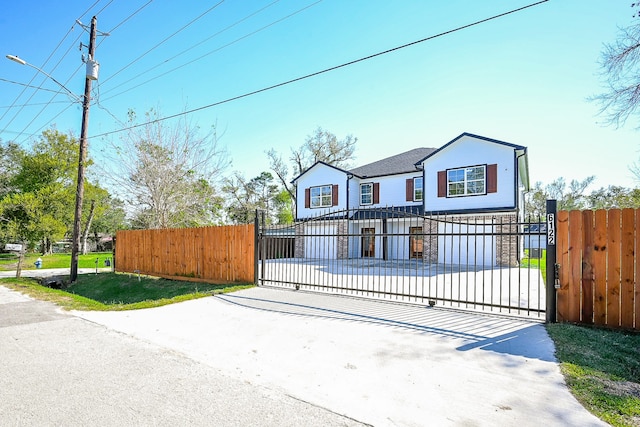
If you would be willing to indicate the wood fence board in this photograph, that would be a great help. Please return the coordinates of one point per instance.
(627, 277)
(562, 258)
(636, 293)
(575, 266)
(598, 264)
(614, 233)
(587, 267)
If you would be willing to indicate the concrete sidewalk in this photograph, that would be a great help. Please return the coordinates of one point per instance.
(48, 272)
(379, 363)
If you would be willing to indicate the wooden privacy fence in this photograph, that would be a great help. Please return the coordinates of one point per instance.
(214, 254)
(599, 267)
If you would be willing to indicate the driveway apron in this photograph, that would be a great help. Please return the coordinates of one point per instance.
(379, 363)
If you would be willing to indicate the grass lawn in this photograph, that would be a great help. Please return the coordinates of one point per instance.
(115, 291)
(602, 369)
(10, 261)
(535, 263)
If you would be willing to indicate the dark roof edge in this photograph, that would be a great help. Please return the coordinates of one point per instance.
(326, 164)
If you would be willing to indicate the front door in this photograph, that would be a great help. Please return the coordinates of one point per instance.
(416, 242)
(368, 242)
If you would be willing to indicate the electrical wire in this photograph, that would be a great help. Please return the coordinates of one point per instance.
(131, 16)
(34, 104)
(26, 85)
(191, 48)
(51, 71)
(326, 70)
(164, 40)
(34, 118)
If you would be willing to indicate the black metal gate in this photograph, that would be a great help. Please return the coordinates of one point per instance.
(481, 262)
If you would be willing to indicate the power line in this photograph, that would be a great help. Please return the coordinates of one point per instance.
(34, 77)
(35, 104)
(188, 49)
(164, 40)
(26, 85)
(51, 71)
(71, 46)
(131, 15)
(326, 70)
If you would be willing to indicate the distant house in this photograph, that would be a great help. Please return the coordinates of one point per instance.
(470, 175)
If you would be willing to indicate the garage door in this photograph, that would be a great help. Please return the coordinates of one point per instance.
(320, 241)
(466, 244)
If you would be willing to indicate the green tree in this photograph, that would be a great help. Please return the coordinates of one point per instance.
(575, 197)
(10, 156)
(614, 197)
(244, 197)
(39, 201)
(40, 185)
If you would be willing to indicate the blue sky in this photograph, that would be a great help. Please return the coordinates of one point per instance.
(523, 78)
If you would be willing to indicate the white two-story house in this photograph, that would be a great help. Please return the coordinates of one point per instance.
(365, 209)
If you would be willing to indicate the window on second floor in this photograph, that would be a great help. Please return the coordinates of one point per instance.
(415, 189)
(366, 194)
(418, 190)
(467, 181)
(321, 197)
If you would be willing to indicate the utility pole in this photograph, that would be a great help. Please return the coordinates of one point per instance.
(75, 248)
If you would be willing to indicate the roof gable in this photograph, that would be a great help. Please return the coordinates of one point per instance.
(400, 163)
(482, 138)
(318, 163)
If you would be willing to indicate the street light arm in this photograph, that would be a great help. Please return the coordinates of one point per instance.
(21, 61)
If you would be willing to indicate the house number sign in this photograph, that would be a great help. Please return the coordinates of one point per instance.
(551, 229)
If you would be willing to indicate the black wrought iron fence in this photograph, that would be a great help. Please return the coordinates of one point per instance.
(486, 262)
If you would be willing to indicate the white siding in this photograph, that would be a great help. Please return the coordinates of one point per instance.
(318, 175)
(466, 245)
(469, 151)
(320, 241)
(392, 190)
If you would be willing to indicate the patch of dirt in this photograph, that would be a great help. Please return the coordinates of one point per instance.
(622, 388)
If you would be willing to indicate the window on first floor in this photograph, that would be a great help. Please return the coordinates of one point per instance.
(466, 181)
(321, 197)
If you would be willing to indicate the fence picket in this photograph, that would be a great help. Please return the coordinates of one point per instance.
(575, 266)
(627, 245)
(562, 251)
(598, 265)
(587, 267)
(613, 268)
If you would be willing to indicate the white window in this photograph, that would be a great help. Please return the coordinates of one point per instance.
(466, 181)
(321, 197)
(417, 189)
(366, 194)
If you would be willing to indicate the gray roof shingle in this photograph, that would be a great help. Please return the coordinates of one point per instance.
(400, 163)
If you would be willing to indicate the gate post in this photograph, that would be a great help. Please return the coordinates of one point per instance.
(550, 282)
(256, 251)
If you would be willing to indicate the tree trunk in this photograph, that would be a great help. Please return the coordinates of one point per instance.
(85, 233)
(20, 261)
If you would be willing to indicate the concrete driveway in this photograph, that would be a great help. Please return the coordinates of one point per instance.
(377, 363)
